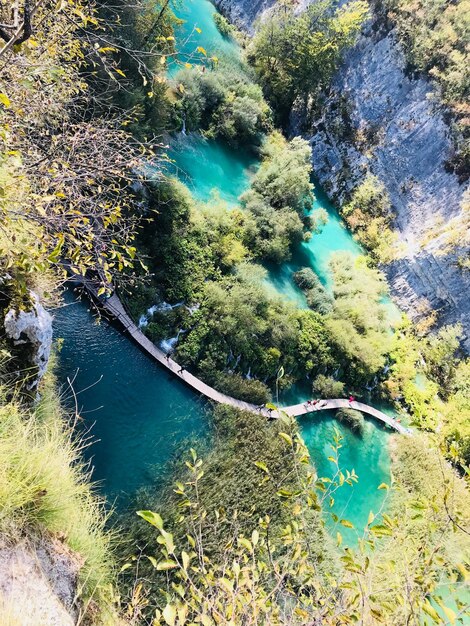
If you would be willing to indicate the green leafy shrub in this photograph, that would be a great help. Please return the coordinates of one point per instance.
(359, 330)
(223, 102)
(295, 53)
(328, 387)
(368, 213)
(306, 278)
(352, 418)
(318, 298)
(224, 26)
(249, 390)
(279, 194)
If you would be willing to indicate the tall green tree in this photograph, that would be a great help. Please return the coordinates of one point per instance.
(296, 54)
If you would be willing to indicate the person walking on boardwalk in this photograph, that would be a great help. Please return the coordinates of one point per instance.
(181, 371)
(167, 356)
(351, 399)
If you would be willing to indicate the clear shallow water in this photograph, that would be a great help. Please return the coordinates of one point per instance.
(146, 414)
(137, 413)
(209, 167)
(198, 14)
(367, 454)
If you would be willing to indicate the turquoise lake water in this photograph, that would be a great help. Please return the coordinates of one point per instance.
(198, 14)
(141, 416)
(138, 414)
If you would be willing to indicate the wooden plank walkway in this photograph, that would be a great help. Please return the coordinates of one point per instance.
(115, 309)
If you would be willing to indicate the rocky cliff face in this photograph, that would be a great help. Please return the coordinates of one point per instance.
(243, 12)
(33, 329)
(379, 119)
(38, 584)
(392, 125)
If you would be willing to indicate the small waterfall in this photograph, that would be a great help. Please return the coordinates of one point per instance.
(143, 321)
(168, 345)
(183, 130)
(161, 308)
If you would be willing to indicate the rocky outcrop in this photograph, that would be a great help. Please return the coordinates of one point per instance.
(38, 583)
(32, 328)
(243, 12)
(380, 119)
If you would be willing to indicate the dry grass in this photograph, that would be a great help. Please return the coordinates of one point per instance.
(45, 488)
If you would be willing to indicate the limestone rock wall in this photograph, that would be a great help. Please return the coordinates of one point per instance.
(33, 329)
(38, 584)
(393, 126)
(243, 12)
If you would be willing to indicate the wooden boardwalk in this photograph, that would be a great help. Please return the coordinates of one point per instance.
(115, 309)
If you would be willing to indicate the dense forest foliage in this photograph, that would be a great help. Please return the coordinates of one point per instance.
(244, 536)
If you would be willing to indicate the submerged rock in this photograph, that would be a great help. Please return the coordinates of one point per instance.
(352, 419)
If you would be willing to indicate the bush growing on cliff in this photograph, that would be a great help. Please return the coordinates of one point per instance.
(369, 215)
(440, 353)
(65, 169)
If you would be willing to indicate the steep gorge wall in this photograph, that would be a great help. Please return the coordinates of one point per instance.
(393, 127)
(243, 12)
(378, 118)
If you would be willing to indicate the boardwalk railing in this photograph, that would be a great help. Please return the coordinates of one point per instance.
(115, 309)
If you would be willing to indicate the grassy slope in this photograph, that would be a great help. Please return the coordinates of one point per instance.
(45, 491)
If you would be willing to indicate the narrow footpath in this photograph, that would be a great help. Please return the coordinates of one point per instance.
(115, 310)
